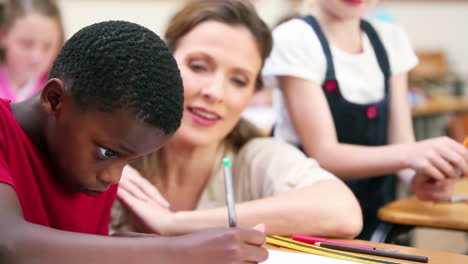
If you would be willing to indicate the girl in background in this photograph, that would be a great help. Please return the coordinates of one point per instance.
(31, 35)
(340, 91)
(220, 47)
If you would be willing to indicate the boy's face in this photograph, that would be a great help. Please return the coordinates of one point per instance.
(90, 148)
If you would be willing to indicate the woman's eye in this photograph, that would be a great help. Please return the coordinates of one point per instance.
(197, 66)
(239, 82)
(106, 153)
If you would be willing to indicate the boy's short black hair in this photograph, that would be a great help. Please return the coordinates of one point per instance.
(113, 65)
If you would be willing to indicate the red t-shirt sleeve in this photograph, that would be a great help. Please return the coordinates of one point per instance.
(5, 175)
(5, 172)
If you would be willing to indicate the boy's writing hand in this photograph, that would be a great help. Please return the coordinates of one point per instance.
(220, 245)
(139, 187)
(438, 158)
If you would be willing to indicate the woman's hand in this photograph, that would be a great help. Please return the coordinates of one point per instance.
(151, 215)
(137, 186)
(438, 158)
(145, 202)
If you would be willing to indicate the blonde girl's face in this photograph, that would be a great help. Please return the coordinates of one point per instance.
(219, 64)
(346, 9)
(31, 45)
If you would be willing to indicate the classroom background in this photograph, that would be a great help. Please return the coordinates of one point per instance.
(438, 85)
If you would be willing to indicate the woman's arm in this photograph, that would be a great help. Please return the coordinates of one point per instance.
(325, 208)
(311, 117)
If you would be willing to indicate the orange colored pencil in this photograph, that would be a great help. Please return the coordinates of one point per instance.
(465, 142)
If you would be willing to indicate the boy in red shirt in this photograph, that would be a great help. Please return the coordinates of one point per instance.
(114, 93)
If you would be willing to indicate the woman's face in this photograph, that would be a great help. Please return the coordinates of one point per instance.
(346, 9)
(31, 45)
(219, 64)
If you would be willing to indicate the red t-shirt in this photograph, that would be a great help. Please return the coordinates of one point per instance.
(42, 199)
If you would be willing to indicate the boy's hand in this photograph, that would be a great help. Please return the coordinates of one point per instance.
(426, 188)
(220, 245)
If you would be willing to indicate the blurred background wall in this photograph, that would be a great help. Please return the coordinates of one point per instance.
(431, 25)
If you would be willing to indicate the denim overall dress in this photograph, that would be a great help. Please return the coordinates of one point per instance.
(361, 124)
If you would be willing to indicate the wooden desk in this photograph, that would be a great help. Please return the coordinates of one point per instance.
(441, 105)
(435, 257)
(411, 212)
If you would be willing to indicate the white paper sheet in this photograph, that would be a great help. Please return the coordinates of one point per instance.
(285, 257)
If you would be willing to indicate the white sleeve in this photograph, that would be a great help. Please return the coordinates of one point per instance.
(296, 52)
(400, 52)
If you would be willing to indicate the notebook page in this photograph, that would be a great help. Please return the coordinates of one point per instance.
(285, 257)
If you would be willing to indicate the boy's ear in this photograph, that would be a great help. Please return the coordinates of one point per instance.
(52, 96)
